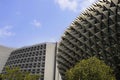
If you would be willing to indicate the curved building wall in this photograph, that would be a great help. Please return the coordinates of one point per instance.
(96, 32)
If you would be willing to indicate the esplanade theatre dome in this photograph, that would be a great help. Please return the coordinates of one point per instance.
(95, 32)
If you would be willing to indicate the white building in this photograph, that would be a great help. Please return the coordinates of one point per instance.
(4, 54)
(36, 59)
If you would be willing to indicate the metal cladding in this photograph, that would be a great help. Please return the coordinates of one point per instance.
(96, 32)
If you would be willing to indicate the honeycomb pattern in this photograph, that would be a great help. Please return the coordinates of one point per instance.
(96, 32)
(29, 59)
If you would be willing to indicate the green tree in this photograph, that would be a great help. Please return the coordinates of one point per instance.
(90, 69)
(0, 76)
(13, 73)
(32, 77)
(16, 74)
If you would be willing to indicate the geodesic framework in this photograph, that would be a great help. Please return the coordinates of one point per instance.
(96, 32)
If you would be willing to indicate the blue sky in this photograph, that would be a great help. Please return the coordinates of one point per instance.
(28, 22)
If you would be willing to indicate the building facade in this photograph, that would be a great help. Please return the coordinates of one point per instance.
(37, 59)
(4, 54)
(95, 32)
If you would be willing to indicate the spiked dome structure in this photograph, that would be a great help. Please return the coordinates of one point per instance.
(96, 32)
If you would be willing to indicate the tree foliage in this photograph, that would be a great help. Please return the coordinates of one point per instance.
(31, 77)
(0, 76)
(16, 74)
(90, 69)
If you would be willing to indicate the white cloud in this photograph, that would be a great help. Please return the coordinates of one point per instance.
(67, 4)
(5, 31)
(36, 23)
(52, 40)
(74, 5)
